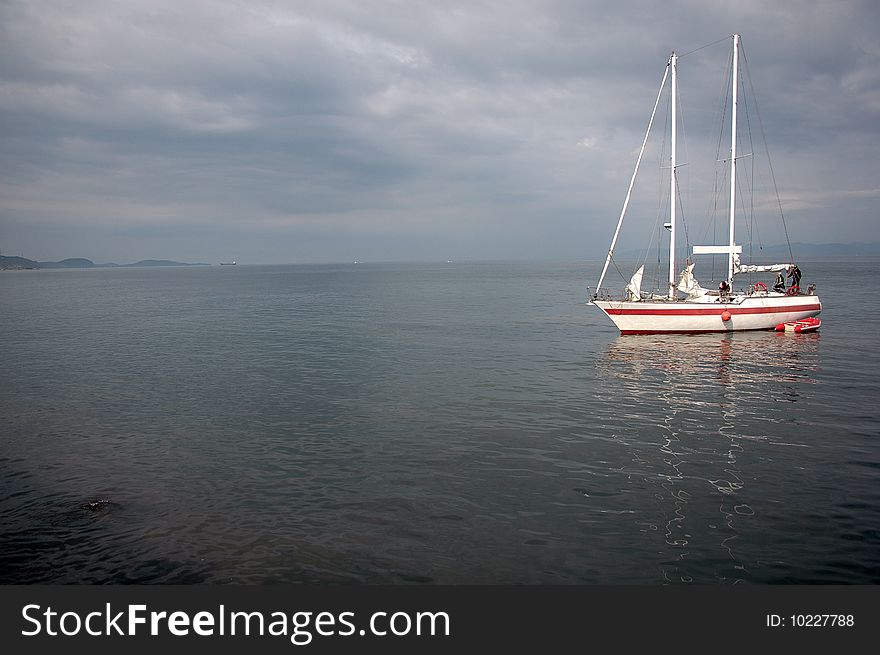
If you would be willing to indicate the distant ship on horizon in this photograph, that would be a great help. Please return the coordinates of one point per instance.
(232, 263)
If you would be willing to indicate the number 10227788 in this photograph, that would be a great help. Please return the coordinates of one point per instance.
(811, 621)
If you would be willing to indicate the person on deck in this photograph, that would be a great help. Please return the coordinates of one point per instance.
(795, 274)
(780, 283)
(724, 289)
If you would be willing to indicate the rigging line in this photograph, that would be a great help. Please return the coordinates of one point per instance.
(680, 113)
(662, 192)
(720, 184)
(633, 178)
(659, 230)
(712, 204)
(643, 259)
(619, 272)
(725, 184)
(687, 240)
(742, 200)
(746, 181)
(708, 45)
(754, 231)
(681, 122)
(655, 283)
(767, 150)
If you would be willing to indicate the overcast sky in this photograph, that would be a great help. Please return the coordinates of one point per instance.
(284, 132)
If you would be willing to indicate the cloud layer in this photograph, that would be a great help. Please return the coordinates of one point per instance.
(321, 131)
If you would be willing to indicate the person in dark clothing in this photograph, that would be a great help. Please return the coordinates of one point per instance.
(724, 289)
(780, 283)
(795, 274)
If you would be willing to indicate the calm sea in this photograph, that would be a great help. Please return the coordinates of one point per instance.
(413, 423)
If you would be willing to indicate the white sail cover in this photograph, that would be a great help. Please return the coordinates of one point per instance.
(688, 284)
(749, 268)
(634, 288)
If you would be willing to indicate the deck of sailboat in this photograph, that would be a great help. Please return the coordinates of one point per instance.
(711, 298)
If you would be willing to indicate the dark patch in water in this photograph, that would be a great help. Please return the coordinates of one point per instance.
(102, 505)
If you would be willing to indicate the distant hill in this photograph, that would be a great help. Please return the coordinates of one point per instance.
(156, 262)
(22, 263)
(16, 263)
(73, 262)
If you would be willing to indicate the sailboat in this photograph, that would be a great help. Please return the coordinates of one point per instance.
(687, 307)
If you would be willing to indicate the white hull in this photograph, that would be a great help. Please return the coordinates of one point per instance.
(708, 314)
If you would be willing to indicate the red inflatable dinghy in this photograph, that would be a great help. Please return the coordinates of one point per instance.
(804, 325)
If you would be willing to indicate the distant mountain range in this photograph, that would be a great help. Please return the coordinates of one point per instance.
(19, 263)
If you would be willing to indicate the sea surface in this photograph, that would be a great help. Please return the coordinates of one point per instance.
(440, 423)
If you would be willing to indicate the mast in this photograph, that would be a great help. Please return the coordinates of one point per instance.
(733, 156)
(672, 60)
(731, 250)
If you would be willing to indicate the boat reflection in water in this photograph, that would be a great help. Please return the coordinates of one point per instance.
(710, 424)
(732, 360)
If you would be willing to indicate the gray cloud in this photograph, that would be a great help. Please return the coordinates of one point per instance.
(281, 132)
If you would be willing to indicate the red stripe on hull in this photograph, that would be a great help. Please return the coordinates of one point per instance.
(713, 311)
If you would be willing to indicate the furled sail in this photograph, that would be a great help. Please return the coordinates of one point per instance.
(773, 268)
(749, 268)
(634, 288)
